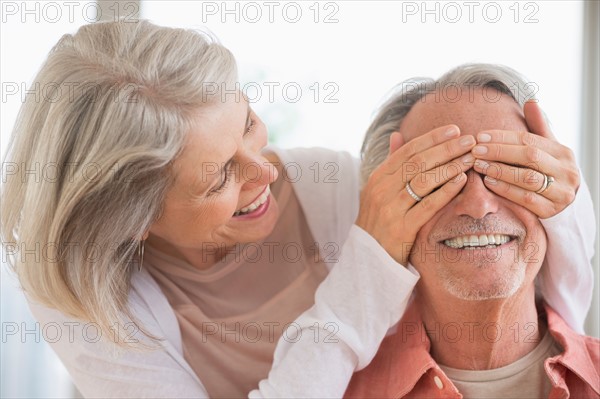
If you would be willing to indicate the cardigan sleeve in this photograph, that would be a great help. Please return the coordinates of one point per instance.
(363, 296)
(99, 369)
(566, 278)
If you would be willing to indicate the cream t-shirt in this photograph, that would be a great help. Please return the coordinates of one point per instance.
(524, 378)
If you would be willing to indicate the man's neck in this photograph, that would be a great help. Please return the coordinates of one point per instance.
(480, 335)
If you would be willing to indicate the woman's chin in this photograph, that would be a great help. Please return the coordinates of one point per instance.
(258, 224)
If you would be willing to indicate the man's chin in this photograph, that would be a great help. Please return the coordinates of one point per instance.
(481, 282)
(465, 293)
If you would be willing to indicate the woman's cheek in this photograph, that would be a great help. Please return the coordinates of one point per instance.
(261, 136)
(228, 204)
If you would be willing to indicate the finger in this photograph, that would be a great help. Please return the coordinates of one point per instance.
(536, 203)
(534, 117)
(525, 178)
(554, 148)
(443, 153)
(435, 156)
(421, 143)
(424, 210)
(396, 141)
(531, 157)
(407, 200)
(455, 150)
(432, 138)
(427, 182)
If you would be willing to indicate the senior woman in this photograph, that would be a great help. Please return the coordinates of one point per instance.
(177, 249)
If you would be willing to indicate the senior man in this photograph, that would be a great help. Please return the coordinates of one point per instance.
(475, 327)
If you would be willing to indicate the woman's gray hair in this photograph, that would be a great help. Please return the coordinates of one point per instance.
(118, 101)
(376, 144)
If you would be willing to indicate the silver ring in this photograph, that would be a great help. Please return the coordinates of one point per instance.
(548, 180)
(412, 193)
(544, 184)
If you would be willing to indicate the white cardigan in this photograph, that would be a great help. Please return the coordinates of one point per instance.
(364, 294)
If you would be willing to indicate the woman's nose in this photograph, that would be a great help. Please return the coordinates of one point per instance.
(258, 171)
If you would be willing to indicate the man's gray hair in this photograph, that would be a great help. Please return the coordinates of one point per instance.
(404, 96)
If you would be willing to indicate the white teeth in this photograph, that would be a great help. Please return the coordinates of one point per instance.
(259, 201)
(483, 240)
(473, 241)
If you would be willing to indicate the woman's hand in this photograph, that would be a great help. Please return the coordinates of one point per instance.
(437, 159)
(515, 164)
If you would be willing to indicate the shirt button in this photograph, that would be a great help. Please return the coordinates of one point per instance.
(438, 382)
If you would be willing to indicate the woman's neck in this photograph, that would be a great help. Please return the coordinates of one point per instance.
(201, 259)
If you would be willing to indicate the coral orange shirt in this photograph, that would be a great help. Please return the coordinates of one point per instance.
(403, 367)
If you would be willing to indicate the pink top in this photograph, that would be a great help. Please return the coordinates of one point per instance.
(232, 315)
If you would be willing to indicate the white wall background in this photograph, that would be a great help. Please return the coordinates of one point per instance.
(355, 58)
(376, 44)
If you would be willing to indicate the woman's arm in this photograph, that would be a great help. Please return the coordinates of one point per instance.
(566, 278)
(362, 297)
(99, 370)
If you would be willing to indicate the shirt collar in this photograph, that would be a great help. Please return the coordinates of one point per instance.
(402, 361)
(403, 358)
(575, 355)
(411, 339)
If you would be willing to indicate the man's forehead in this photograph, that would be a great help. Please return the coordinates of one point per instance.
(472, 110)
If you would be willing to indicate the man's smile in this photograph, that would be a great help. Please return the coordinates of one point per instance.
(477, 241)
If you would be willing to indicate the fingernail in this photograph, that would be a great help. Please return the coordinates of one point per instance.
(484, 138)
(479, 150)
(490, 180)
(451, 132)
(481, 164)
(468, 159)
(466, 141)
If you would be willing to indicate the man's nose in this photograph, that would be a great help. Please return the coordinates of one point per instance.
(475, 199)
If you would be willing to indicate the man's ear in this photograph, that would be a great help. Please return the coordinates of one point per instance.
(396, 141)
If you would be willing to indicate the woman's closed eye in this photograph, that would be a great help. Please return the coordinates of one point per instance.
(250, 127)
(223, 185)
(229, 169)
